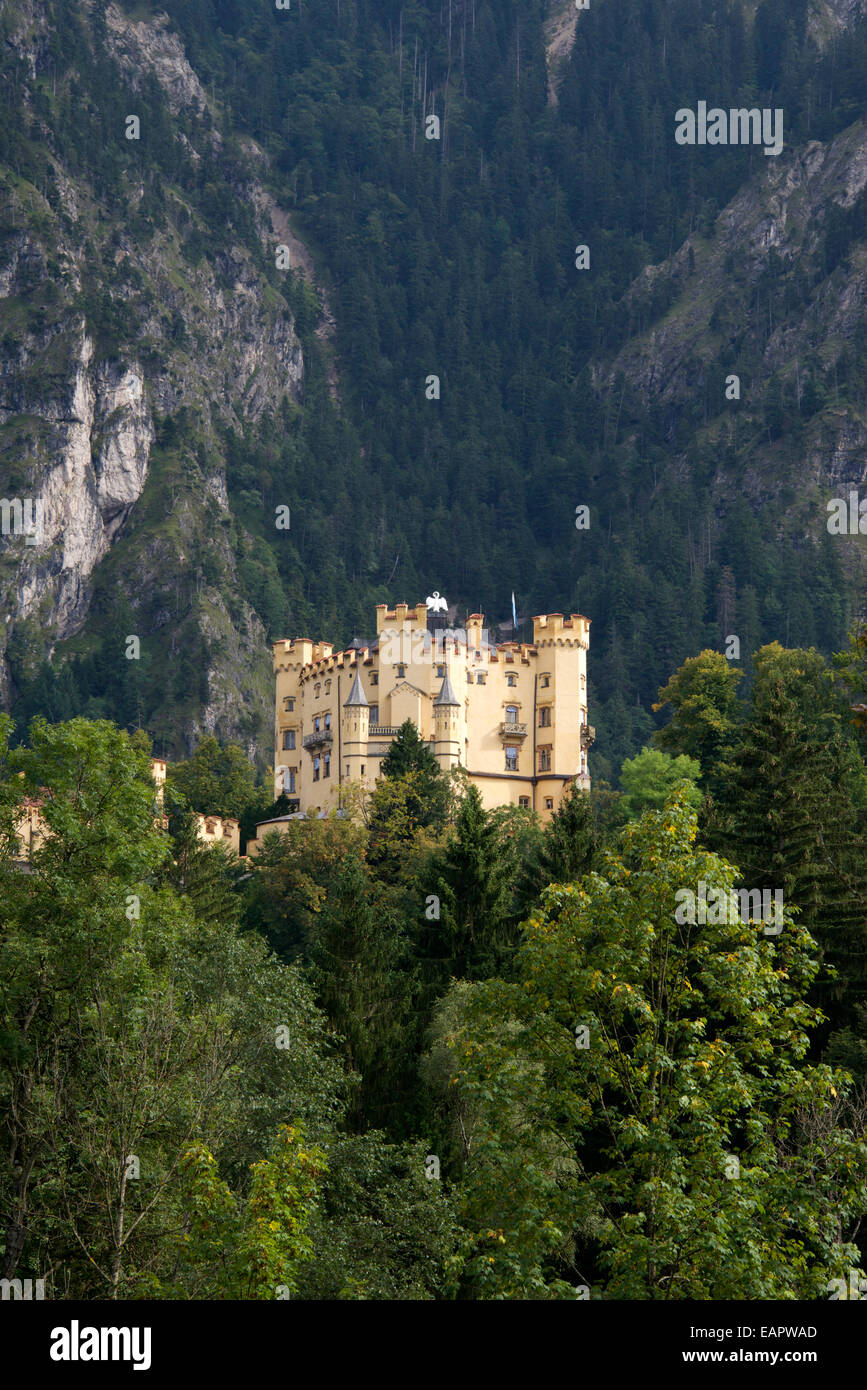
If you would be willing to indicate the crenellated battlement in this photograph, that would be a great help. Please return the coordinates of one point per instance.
(510, 713)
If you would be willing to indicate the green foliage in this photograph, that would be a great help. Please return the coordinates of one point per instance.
(569, 844)
(217, 781)
(383, 1230)
(605, 1159)
(648, 778)
(469, 877)
(359, 966)
(132, 1027)
(704, 709)
(788, 812)
(253, 1248)
(294, 873)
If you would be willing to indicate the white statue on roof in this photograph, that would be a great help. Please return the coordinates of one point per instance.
(435, 604)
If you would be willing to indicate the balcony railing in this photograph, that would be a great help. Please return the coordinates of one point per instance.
(509, 729)
(384, 730)
(316, 740)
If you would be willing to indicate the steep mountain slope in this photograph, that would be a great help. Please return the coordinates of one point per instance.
(183, 388)
(134, 335)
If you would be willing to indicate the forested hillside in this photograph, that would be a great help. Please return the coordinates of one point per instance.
(431, 1052)
(455, 257)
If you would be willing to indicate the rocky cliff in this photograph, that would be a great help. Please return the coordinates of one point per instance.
(111, 323)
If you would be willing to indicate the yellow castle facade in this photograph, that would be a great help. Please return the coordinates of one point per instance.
(512, 714)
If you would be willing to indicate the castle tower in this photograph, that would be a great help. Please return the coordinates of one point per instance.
(563, 736)
(447, 718)
(355, 730)
(290, 661)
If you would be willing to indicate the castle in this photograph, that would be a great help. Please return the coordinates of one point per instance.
(512, 714)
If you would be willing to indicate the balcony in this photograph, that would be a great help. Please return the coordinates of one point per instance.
(384, 731)
(509, 729)
(317, 740)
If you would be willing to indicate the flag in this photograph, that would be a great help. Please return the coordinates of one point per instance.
(514, 612)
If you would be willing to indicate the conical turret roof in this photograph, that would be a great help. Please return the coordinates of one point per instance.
(447, 695)
(356, 694)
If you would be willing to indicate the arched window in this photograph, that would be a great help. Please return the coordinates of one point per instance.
(511, 679)
(511, 714)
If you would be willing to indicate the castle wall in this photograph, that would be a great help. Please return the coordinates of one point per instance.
(530, 699)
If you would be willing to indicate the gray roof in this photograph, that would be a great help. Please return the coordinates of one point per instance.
(356, 694)
(447, 695)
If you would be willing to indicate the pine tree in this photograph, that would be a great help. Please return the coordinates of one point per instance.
(471, 884)
(787, 816)
(568, 849)
(363, 978)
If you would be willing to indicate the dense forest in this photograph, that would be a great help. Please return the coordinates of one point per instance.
(432, 1052)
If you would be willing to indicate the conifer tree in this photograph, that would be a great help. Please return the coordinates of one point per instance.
(361, 970)
(471, 883)
(567, 850)
(788, 820)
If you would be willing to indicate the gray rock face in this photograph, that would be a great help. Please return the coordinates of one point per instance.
(151, 47)
(777, 220)
(79, 410)
(97, 429)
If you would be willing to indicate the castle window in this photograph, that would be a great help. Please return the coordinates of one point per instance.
(511, 679)
(315, 769)
(374, 714)
(316, 722)
(401, 672)
(347, 769)
(469, 677)
(328, 687)
(316, 689)
(549, 803)
(374, 679)
(362, 769)
(544, 759)
(511, 714)
(289, 704)
(441, 671)
(525, 802)
(544, 681)
(326, 771)
(480, 678)
(288, 738)
(289, 780)
(511, 759)
(328, 723)
(545, 717)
